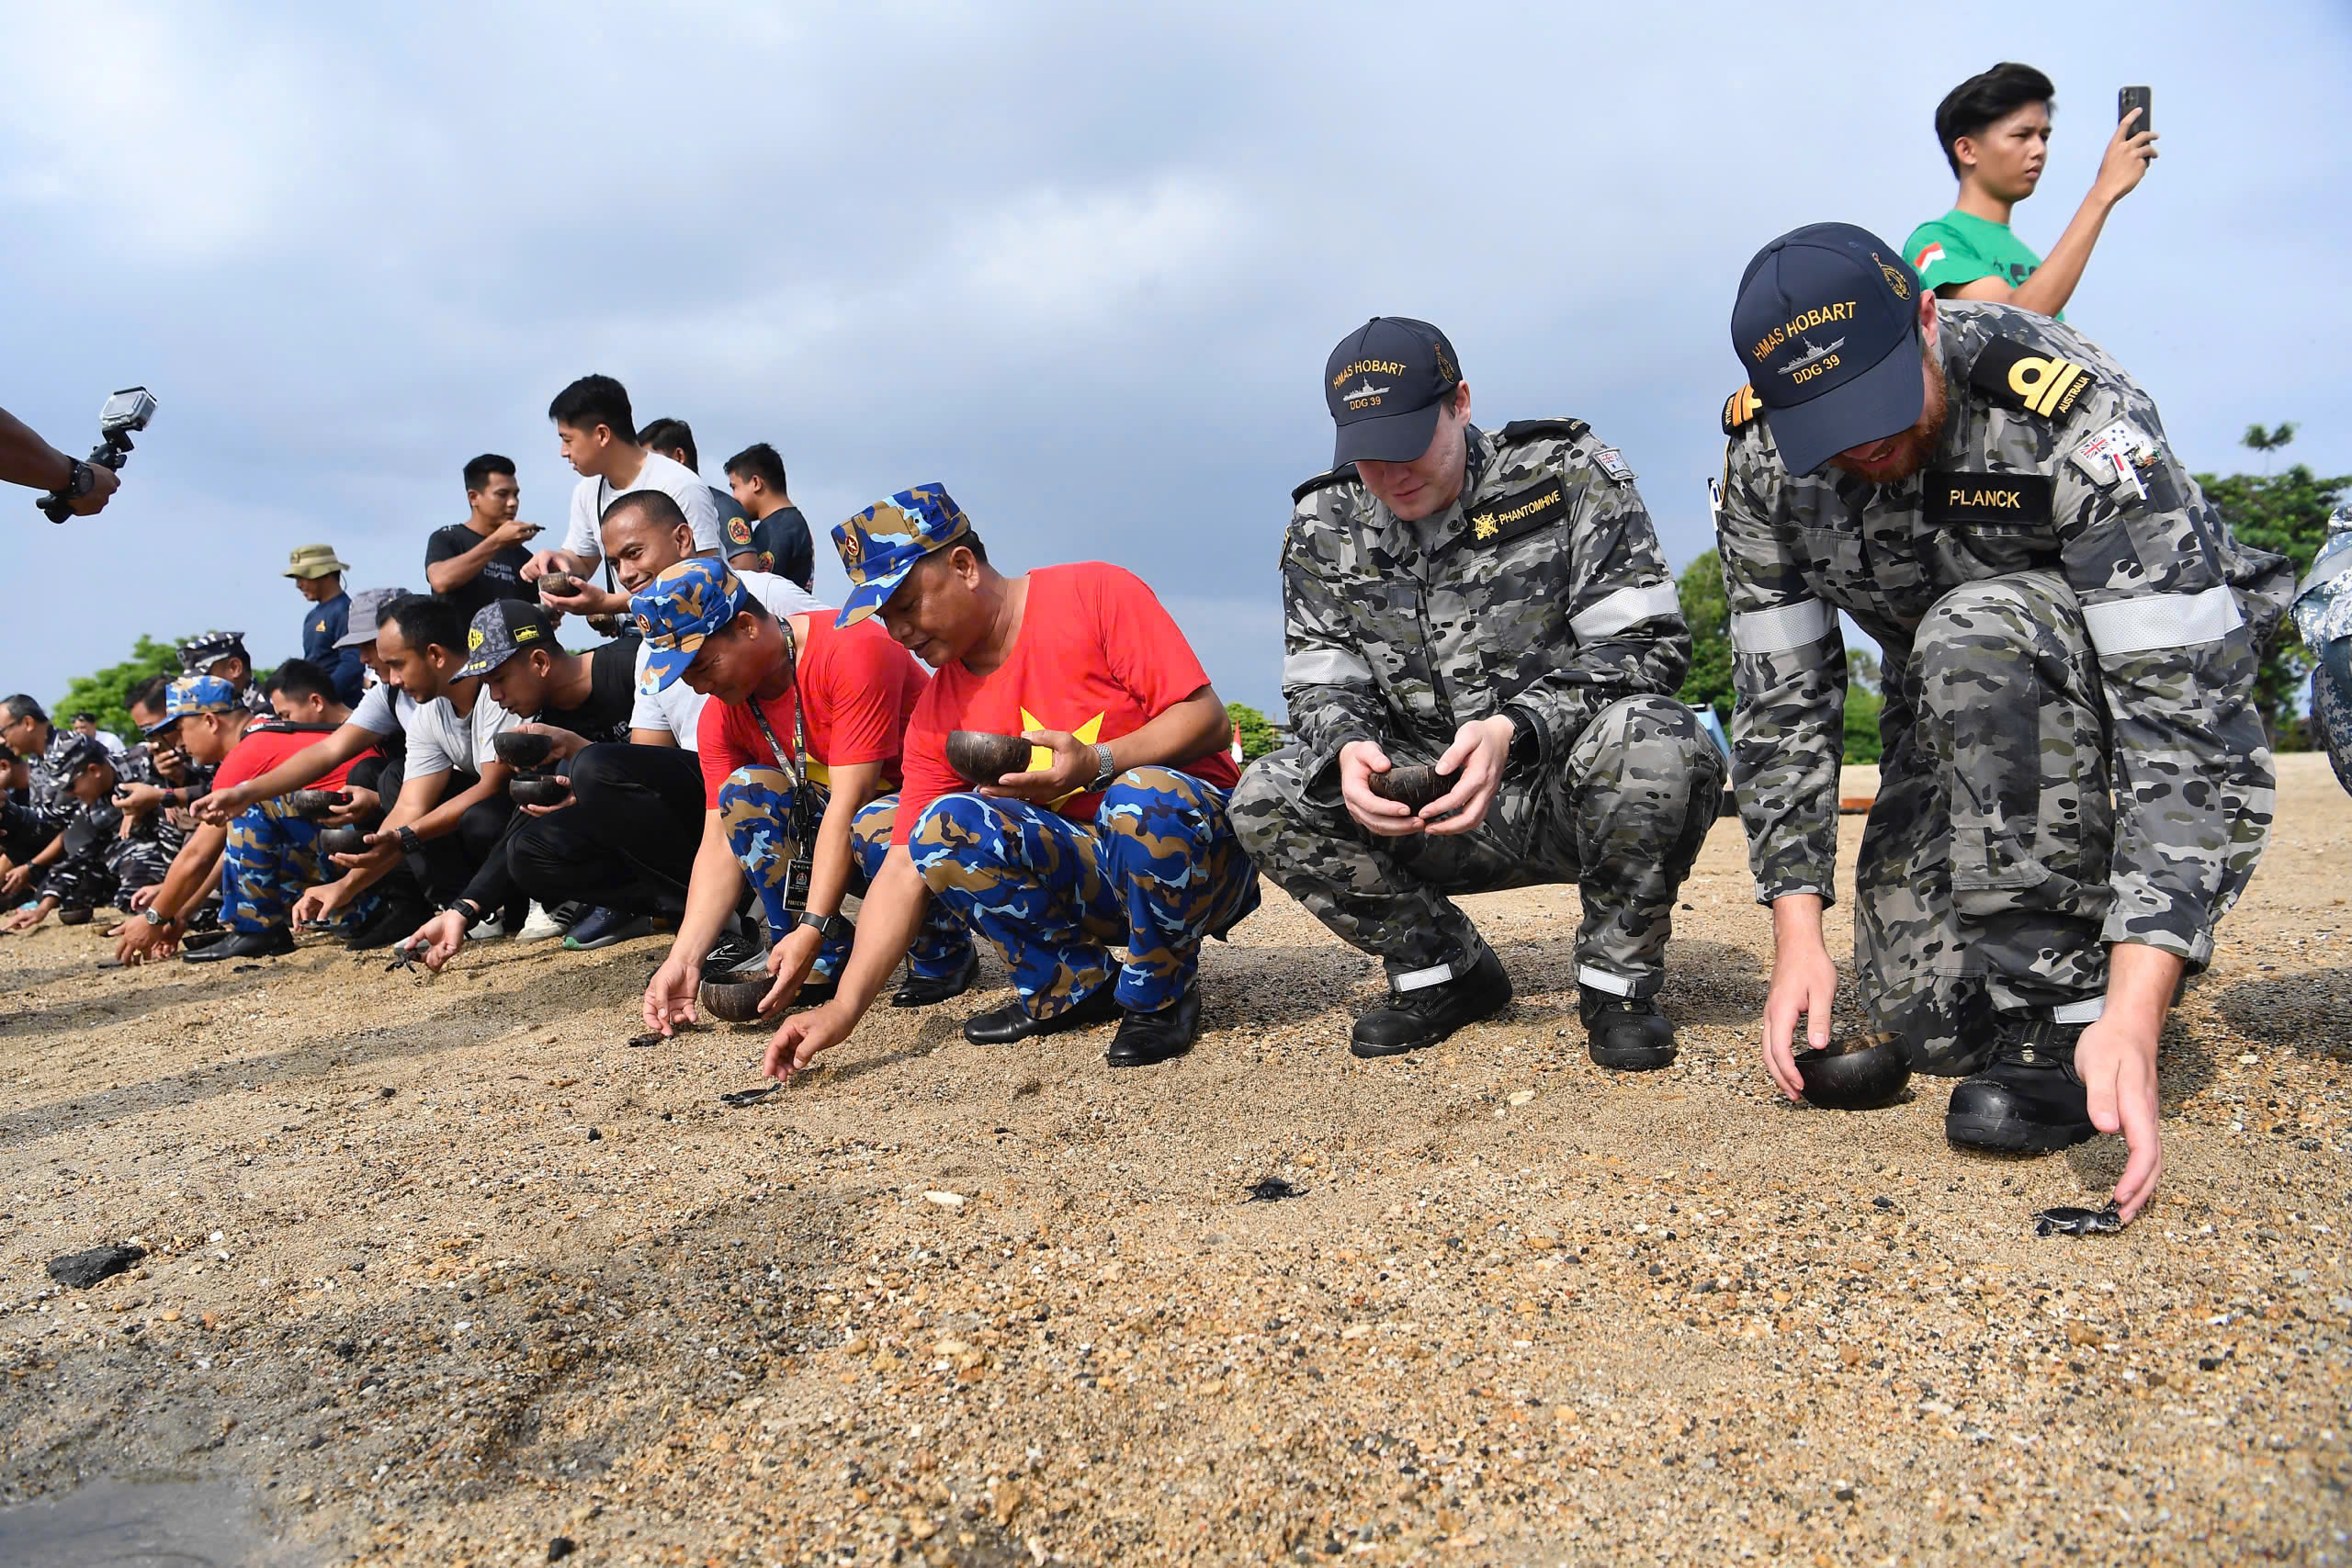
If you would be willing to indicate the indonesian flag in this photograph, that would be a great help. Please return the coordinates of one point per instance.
(1927, 258)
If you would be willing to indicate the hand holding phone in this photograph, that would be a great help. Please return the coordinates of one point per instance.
(2130, 150)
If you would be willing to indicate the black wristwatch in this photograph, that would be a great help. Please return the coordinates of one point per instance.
(833, 928)
(1526, 742)
(410, 843)
(78, 480)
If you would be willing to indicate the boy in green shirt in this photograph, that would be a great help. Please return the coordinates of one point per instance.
(1994, 129)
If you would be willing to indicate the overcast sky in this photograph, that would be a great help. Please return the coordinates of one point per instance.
(1080, 262)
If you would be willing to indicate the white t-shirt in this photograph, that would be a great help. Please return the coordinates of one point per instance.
(677, 709)
(382, 709)
(591, 496)
(440, 737)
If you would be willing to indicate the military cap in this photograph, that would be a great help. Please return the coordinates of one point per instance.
(882, 543)
(1827, 326)
(193, 695)
(1385, 385)
(678, 609)
(199, 654)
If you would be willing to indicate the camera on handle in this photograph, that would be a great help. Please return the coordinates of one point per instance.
(126, 411)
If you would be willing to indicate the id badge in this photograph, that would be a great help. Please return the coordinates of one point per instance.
(797, 874)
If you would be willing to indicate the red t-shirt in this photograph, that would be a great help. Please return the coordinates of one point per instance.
(859, 685)
(265, 745)
(1098, 657)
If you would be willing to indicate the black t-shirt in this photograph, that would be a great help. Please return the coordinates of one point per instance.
(501, 576)
(611, 695)
(782, 540)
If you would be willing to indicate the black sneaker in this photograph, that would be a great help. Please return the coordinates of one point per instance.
(393, 920)
(733, 951)
(1627, 1033)
(917, 992)
(1144, 1038)
(274, 942)
(1424, 1017)
(2030, 1100)
(1002, 1026)
(603, 928)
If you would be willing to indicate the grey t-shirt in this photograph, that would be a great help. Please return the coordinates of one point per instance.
(440, 737)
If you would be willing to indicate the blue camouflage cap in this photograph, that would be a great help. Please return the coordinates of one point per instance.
(678, 609)
(881, 545)
(193, 695)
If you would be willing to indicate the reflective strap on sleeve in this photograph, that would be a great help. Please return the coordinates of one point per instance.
(1626, 607)
(2086, 1011)
(2161, 620)
(1325, 667)
(1783, 627)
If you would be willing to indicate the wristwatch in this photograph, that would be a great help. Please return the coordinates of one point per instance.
(833, 928)
(78, 480)
(1526, 742)
(410, 843)
(1104, 769)
(154, 917)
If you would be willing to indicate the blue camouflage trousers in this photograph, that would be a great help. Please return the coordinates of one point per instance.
(271, 856)
(755, 809)
(1157, 869)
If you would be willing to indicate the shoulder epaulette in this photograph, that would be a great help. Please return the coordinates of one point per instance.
(2017, 376)
(1344, 474)
(1740, 410)
(1566, 429)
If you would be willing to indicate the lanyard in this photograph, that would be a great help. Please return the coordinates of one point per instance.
(790, 763)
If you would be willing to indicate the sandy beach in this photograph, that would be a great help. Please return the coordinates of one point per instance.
(443, 1272)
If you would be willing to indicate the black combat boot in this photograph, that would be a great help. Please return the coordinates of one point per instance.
(1625, 1033)
(1424, 1016)
(2030, 1100)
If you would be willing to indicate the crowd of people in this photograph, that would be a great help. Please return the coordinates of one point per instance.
(826, 805)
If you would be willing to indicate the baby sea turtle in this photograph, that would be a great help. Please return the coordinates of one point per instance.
(2078, 1221)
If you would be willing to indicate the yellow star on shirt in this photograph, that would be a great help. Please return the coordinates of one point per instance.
(1042, 757)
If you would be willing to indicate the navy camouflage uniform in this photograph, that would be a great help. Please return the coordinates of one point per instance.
(143, 856)
(2324, 616)
(79, 878)
(1542, 591)
(1155, 870)
(755, 809)
(2069, 637)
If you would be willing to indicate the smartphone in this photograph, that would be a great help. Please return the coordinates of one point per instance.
(2141, 98)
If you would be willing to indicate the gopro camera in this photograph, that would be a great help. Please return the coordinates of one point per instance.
(126, 411)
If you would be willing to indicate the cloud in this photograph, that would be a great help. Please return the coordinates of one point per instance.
(1081, 263)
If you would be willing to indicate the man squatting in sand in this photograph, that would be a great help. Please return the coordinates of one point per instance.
(799, 742)
(2075, 786)
(1116, 835)
(1496, 603)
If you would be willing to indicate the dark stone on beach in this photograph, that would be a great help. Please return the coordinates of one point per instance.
(561, 1547)
(80, 1270)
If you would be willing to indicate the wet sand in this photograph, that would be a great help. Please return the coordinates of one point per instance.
(442, 1271)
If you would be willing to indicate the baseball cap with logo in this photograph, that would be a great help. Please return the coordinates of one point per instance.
(1385, 385)
(503, 628)
(366, 612)
(683, 604)
(1828, 326)
(193, 695)
(313, 560)
(882, 543)
(72, 755)
(199, 654)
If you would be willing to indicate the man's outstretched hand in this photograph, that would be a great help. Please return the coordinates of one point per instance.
(803, 1035)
